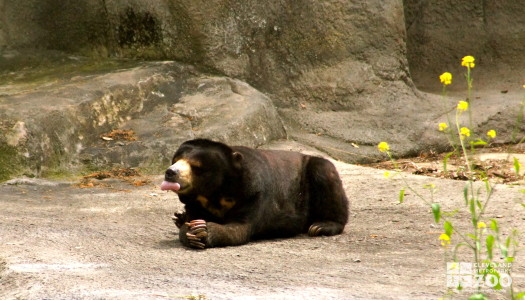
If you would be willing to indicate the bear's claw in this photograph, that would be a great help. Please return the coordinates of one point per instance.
(178, 218)
(197, 233)
(314, 230)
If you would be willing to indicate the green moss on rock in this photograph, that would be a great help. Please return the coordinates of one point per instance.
(11, 163)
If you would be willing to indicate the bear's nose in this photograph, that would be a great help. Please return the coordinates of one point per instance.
(171, 174)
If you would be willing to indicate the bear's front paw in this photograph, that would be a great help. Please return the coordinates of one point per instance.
(197, 234)
(179, 217)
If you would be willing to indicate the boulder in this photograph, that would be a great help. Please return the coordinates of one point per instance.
(338, 68)
(440, 33)
(343, 75)
(68, 125)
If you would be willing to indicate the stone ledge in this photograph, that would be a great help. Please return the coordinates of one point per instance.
(58, 130)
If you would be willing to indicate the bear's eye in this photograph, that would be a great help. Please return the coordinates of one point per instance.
(197, 169)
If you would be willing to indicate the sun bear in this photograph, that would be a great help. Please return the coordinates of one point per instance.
(233, 195)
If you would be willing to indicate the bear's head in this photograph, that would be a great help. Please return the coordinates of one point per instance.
(201, 167)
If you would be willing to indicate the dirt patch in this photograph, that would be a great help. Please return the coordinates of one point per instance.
(498, 164)
(129, 175)
(117, 241)
(119, 134)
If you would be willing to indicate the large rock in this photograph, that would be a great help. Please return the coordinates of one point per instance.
(338, 68)
(59, 127)
(268, 44)
(440, 33)
(338, 71)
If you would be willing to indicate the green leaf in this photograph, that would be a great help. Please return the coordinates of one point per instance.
(465, 194)
(478, 297)
(436, 210)
(488, 188)
(448, 228)
(509, 259)
(472, 209)
(517, 166)
(490, 243)
(402, 195)
(474, 222)
(498, 286)
(472, 206)
(445, 161)
(472, 236)
(478, 203)
(450, 213)
(494, 225)
(493, 272)
(478, 142)
(507, 241)
(504, 250)
(520, 296)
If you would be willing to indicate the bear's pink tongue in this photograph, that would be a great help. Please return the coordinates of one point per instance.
(169, 186)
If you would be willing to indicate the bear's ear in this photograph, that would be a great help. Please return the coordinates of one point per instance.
(237, 160)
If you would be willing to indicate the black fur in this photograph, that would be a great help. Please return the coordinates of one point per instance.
(245, 194)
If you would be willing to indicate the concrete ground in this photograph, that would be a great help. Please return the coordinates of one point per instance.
(116, 241)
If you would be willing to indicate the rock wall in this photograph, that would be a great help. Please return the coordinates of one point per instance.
(282, 46)
(339, 72)
(308, 55)
(440, 33)
(268, 44)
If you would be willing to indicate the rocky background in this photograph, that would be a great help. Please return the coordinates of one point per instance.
(339, 75)
(440, 33)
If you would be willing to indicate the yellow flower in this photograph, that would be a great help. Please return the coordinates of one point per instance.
(452, 266)
(463, 105)
(464, 131)
(491, 133)
(383, 147)
(445, 239)
(446, 78)
(482, 225)
(442, 126)
(429, 186)
(468, 61)
(387, 174)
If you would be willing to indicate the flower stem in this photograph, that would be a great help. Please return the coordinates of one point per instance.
(469, 96)
(451, 136)
(471, 199)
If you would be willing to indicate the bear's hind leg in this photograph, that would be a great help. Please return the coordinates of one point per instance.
(328, 205)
